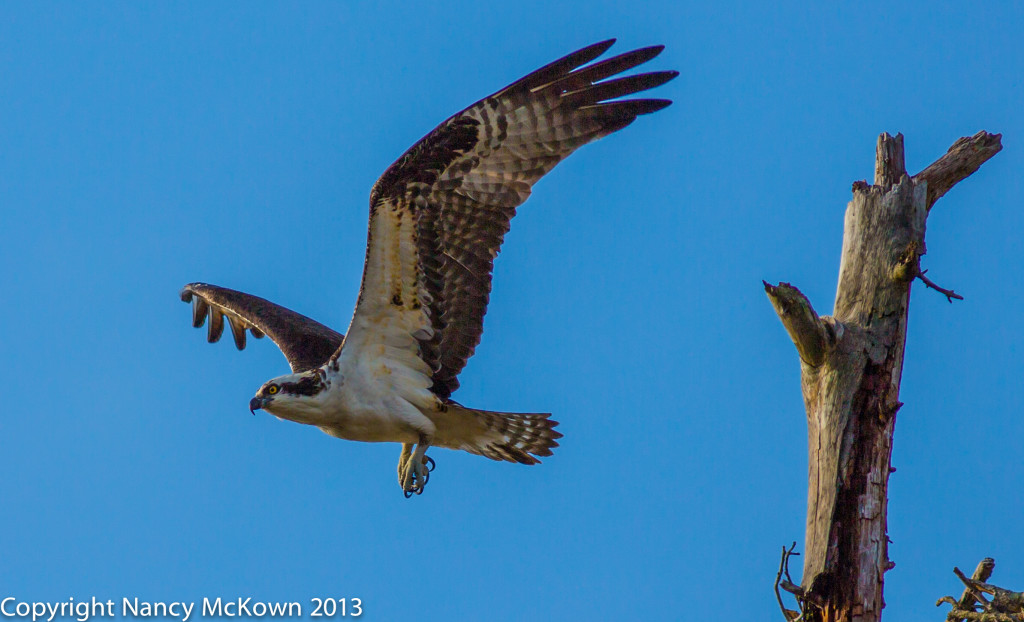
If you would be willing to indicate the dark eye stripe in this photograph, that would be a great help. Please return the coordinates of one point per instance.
(308, 385)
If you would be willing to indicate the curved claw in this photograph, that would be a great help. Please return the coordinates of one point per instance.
(414, 470)
(417, 480)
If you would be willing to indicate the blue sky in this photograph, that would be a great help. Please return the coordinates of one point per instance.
(145, 146)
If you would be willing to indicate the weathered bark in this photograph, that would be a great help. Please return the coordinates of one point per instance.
(851, 364)
(1005, 605)
(968, 598)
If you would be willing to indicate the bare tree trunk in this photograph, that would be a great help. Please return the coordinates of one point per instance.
(851, 364)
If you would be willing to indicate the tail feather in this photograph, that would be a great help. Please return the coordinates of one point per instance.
(512, 437)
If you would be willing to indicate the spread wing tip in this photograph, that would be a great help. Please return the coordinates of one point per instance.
(306, 343)
(562, 66)
(647, 106)
(195, 288)
(479, 165)
(596, 49)
(203, 309)
(629, 109)
(199, 306)
(641, 106)
(620, 87)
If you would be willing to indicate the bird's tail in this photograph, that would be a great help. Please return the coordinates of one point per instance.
(514, 437)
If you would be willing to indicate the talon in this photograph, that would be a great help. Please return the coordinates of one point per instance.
(414, 479)
(414, 469)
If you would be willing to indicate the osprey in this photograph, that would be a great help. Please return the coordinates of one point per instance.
(437, 219)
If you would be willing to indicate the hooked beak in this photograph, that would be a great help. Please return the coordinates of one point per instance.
(257, 403)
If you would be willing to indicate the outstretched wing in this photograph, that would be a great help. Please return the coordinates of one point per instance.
(439, 214)
(305, 343)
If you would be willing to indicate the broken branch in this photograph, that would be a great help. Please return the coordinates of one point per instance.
(981, 573)
(809, 334)
(1005, 606)
(963, 158)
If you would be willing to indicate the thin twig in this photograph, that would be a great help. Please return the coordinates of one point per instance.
(948, 293)
(784, 568)
(789, 579)
(778, 578)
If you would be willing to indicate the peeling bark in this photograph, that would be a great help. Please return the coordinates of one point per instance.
(851, 364)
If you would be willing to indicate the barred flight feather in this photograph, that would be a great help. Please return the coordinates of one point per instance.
(465, 179)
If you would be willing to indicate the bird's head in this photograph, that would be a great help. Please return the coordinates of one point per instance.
(296, 397)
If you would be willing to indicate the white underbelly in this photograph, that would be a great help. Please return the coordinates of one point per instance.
(371, 407)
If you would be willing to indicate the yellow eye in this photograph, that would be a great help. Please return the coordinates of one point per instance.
(272, 389)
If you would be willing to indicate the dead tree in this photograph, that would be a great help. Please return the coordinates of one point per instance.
(973, 605)
(850, 368)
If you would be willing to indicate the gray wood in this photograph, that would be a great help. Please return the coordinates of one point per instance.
(982, 573)
(851, 364)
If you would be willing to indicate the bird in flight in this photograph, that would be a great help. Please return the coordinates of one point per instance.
(438, 216)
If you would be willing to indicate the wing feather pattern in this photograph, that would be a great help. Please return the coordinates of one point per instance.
(439, 214)
(304, 342)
